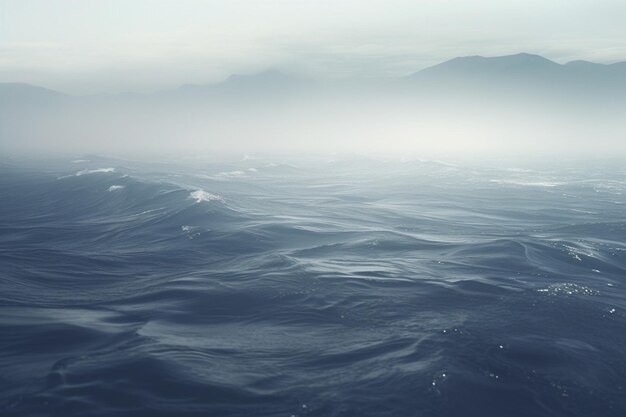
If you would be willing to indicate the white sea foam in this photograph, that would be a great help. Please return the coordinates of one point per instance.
(189, 232)
(115, 187)
(94, 171)
(528, 183)
(232, 174)
(201, 195)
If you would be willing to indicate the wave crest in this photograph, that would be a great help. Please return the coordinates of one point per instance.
(201, 195)
(95, 171)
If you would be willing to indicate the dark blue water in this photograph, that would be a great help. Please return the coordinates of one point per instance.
(327, 288)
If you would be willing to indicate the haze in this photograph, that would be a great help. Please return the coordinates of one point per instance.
(87, 47)
(417, 77)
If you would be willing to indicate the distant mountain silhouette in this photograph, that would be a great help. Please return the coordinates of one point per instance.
(263, 82)
(481, 66)
(517, 97)
(509, 74)
(523, 71)
(21, 93)
(263, 79)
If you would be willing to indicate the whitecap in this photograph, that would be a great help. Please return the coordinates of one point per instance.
(189, 232)
(116, 187)
(95, 171)
(201, 195)
(529, 183)
(231, 174)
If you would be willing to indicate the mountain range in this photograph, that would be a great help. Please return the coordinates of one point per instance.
(498, 101)
(522, 71)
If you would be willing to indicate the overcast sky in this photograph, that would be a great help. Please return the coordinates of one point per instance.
(83, 46)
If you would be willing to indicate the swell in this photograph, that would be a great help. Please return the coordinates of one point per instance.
(421, 294)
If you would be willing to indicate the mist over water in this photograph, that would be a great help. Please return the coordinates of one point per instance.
(520, 104)
(301, 286)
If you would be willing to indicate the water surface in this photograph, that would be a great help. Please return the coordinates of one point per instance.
(273, 287)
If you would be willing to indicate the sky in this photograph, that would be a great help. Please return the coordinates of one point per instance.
(88, 46)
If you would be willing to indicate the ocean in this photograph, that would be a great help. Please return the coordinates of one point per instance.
(312, 287)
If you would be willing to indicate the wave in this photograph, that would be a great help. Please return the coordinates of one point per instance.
(331, 290)
(95, 171)
(201, 195)
(529, 183)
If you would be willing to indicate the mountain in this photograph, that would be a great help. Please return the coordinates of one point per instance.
(266, 79)
(519, 64)
(527, 72)
(264, 82)
(515, 97)
(460, 75)
(21, 93)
